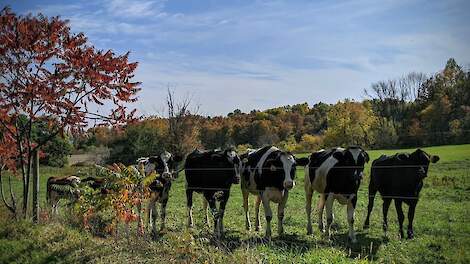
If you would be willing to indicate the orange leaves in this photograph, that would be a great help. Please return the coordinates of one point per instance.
(43, 64)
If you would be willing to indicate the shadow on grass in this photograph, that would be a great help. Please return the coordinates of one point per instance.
(232, 240)
(366, 246)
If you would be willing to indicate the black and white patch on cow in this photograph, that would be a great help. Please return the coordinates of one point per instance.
(399, 178)
(165, 166)
(336, 174)
(269, 173)
(211, 173)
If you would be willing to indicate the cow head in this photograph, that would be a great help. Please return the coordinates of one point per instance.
(351, 163)
(357, 157)
(422, 159)
(73, 181)
(231, 157)
(237, 163)
(164, 164)
(283, 166)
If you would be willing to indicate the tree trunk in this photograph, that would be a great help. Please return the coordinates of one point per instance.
(11, 207)
(35, 185)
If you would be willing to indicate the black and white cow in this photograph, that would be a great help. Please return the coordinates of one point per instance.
(165, 166)
(400, 178)
(212, 173)
(62, 188)
(336, 174)
(269, 174)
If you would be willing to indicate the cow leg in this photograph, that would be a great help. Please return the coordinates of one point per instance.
(209, 196)
(268, 213)
(149, 213)
(385, 207)
(204, 209)
(189, 204)
(400, 215)
(55, 207)
(154, 215)
(370, 205)
(54, 203)
(350, 210)
(320, 206)
(246, 194)
(411, 215)
(280, 213)
(257, 217)
(222, 205)
(163, 214)
(308, 210)
(140, 225)
(329, 213)
(154, 218)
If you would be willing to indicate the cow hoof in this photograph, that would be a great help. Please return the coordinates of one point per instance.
(365, 227)
(154, 235)
(309, 230)
(410, 235)
(385, 236)
(402, 236)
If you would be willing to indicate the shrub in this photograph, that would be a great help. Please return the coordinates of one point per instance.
(310, 143)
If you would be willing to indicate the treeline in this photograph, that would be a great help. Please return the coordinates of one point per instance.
(414, 110)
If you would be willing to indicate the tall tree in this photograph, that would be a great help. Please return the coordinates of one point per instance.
(183, 124)
(350, 123)
(47, 72)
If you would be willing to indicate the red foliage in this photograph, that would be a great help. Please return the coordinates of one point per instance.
(47, 71)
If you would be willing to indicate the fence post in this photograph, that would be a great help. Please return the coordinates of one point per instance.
(35, 185)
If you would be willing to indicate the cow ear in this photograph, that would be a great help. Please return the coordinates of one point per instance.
(402, 156)
(302, 161)
(434, 158)
(153, 159)
(366, 156)
(338, 155)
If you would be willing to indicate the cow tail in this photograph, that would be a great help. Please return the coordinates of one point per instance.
(373, 179)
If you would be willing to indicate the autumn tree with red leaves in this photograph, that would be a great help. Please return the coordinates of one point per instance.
(48, 72)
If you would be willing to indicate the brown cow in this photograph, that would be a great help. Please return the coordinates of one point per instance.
(62, 188)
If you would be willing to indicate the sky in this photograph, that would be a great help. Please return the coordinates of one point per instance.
(237, 54)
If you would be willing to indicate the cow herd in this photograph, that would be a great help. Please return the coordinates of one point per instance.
(269, 174)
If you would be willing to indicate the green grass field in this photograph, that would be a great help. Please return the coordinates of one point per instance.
(442, 229)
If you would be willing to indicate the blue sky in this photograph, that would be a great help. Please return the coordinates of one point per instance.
(260, 54)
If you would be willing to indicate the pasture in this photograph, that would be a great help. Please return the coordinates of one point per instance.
(442, 228)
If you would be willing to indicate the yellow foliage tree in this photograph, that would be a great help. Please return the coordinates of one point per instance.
(349, 123)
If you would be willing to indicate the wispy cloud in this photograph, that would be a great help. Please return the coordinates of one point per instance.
(254, 54)
(134, 8)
